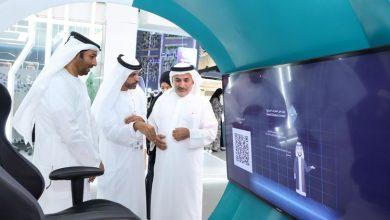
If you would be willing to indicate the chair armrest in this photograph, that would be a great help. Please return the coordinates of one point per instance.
(76, 175)
(69, 173)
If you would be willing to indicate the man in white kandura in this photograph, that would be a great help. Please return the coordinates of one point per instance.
(59, 106)
(120, 112)
(185, 123)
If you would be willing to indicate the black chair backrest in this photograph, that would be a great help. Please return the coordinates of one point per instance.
(23, 171)
(15, 201)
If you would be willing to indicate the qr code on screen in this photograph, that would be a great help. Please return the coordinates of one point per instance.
(242, 149)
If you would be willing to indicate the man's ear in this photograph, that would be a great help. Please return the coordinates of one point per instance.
(80, 55)
(77, 57)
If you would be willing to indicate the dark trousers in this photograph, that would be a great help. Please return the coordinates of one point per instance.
(149, 180)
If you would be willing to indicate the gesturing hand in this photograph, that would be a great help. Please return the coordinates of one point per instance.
(160, 142)
(146, 129)
(133, 118)
(180, 134)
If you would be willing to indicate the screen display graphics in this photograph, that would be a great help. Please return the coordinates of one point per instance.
(313, 138)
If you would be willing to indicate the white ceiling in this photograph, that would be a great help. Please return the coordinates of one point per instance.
(14, 10)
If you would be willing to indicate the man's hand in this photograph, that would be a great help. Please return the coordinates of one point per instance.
(133, 118)
(160, 142)
(146, 129)
(180, 134)
(92, 178)
(101, 166)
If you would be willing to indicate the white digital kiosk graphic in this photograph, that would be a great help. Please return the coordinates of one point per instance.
(300, 168)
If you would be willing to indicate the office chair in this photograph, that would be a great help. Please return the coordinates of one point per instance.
(21, 184)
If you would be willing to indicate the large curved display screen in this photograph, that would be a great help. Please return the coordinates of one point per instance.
(313, 138)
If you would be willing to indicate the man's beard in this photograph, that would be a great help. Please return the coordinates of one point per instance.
(131, 86)
(85, 71)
